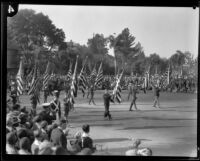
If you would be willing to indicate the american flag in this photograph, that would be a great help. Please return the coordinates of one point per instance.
(82, 78)
(99, 77)
(73, 87)
(92, 76)
(69, 73)
(36, 83)
(46, 76)
(19, 79)
(117, 89)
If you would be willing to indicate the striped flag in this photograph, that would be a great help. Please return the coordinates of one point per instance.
(73, 87)
(69, 73)
(36, 83)
(117, 89)
(92, 76)
(82, 79)
(46, 76)
(19, 79)
(99, 77)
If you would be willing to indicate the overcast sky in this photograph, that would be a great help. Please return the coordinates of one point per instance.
(162, 30)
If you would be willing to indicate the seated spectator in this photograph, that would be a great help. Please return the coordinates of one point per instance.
(85, 151)
(11, 124)
(135, 151)
(24, 145)
(43, 128)
(61, 151)
(45, 148)
(36, 122)
(84, 140)
(11, 140)
(58, 137)
(14, 112)
(38, 140)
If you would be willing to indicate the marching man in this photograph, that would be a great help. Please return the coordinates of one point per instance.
(55, 105)
(133, 93)
(107, 99)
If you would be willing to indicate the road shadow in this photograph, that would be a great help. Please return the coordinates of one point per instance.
(151, 127)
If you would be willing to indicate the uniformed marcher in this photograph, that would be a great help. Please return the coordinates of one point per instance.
(46, 113)
(133, 102)
(67, 106)
(130, 89)
(156, 96)
(46, 93)
(34, 100)
(107, 99)
(92, 95)
(56, 105)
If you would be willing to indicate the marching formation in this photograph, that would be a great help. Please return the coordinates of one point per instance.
(46, 130)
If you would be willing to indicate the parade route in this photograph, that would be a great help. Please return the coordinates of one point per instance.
(168, 131)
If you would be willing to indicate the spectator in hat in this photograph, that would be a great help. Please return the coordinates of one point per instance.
(45, 148)
(14, 112)
(85, 141)
(85, 151)
(43, 128)
(11, 140)
(12, 123)
(136, 151)
(58, 137)
(61, 151)
(133, 151)
(56, 105)
(25, 146)
(36, 122)
(38, 140)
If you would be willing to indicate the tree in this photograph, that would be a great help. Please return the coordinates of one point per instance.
(34, 31)
(125, 48)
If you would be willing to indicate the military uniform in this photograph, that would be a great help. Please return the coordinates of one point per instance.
(107, 98)
(92, 95)
(134, 92)
(46, 114)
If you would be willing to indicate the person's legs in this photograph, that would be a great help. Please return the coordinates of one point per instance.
(158, 102)
(155, 102)
(130, 109)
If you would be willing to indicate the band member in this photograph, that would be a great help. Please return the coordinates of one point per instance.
(67, 106)
(92, 95)
(107, 99)
(46, 93)
(156, 92)
(55, 105)
(46, 114)
(34, 100)
(133, 102)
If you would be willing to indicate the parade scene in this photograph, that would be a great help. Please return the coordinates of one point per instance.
(109, 96)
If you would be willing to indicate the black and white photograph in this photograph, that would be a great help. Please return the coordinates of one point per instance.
(101, 80)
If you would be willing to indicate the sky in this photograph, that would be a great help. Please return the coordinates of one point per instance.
(161, 30)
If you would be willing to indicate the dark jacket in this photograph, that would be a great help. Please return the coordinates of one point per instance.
(58, 138)
(107, 98)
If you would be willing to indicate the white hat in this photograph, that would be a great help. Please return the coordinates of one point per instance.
(46, 104)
